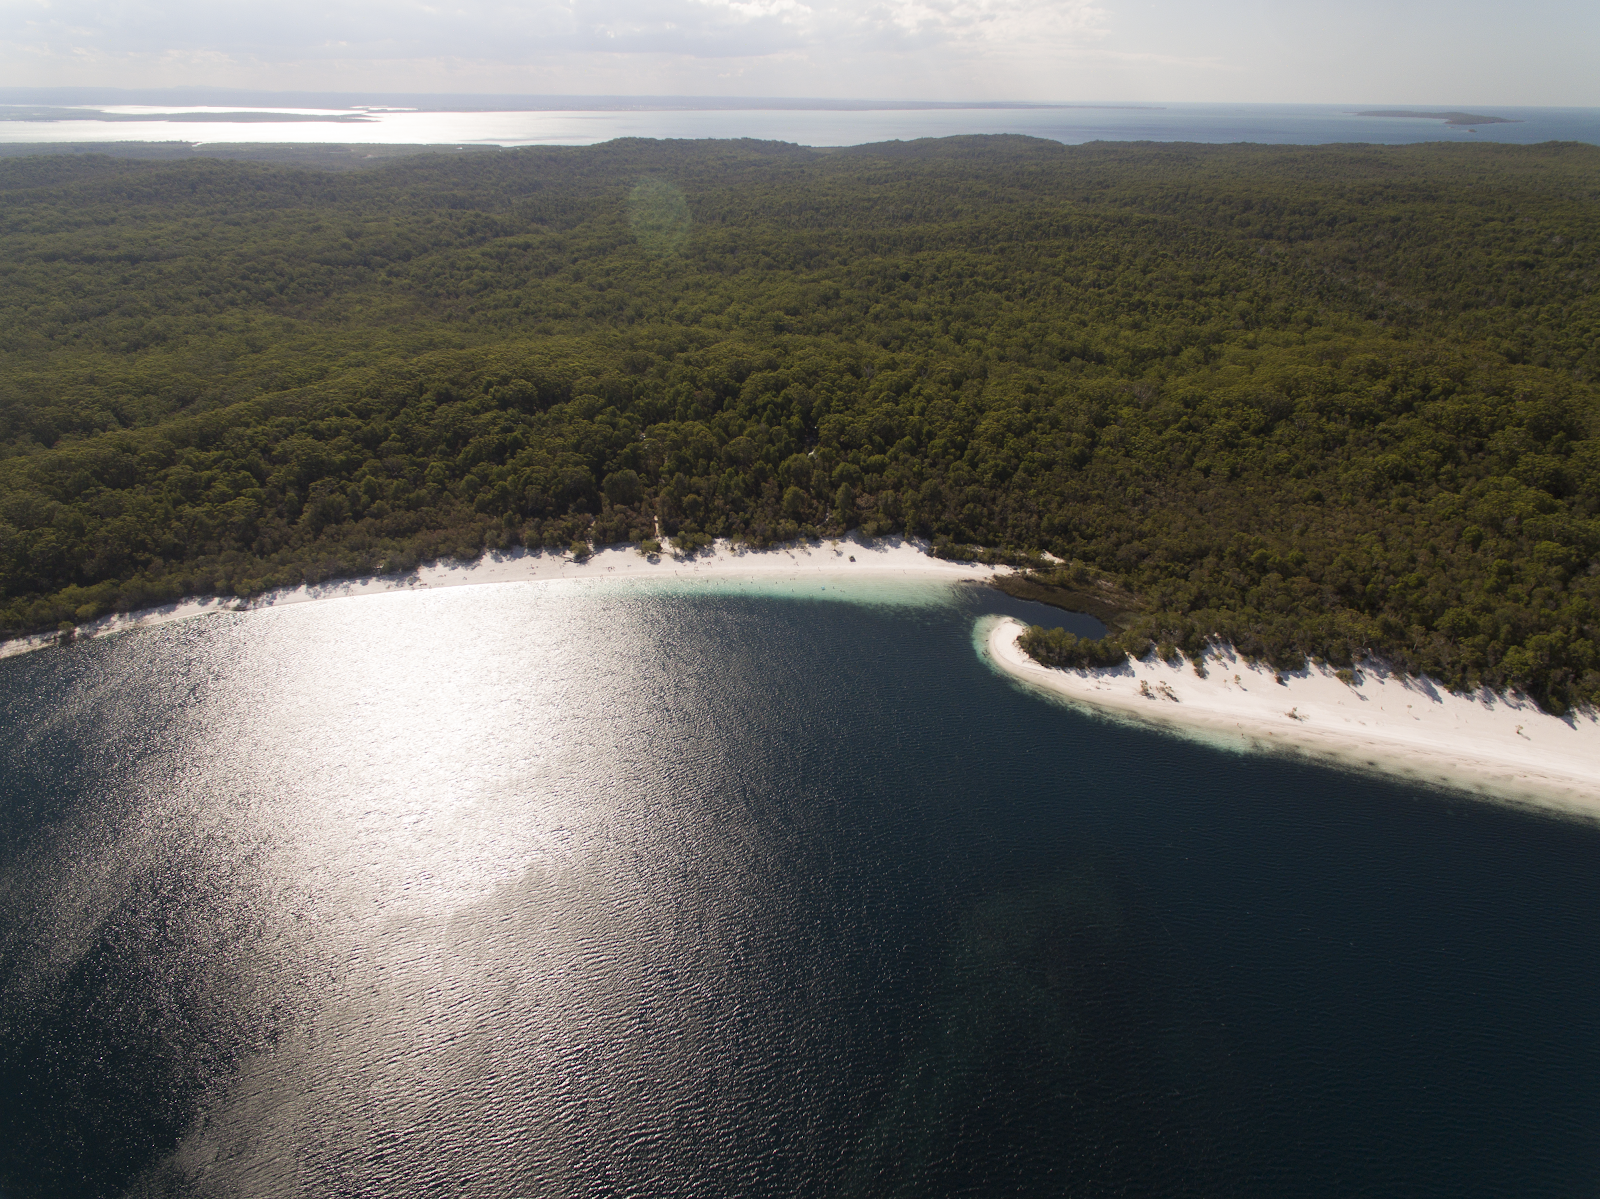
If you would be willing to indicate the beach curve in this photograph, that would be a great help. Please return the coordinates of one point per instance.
(880, 560)
(1500, 747)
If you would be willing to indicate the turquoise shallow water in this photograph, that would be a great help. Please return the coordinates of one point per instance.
(510, 891)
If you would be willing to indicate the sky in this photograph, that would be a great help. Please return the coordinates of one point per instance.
(1439, 53)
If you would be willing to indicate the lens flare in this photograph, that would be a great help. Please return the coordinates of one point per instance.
(658, 213)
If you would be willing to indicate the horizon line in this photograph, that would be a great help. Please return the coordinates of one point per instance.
(210, 96)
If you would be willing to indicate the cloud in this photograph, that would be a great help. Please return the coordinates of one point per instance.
(494, 31)
(1436, 52)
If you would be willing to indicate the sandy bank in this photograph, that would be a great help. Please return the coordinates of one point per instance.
(1497, 746)
(882, 559)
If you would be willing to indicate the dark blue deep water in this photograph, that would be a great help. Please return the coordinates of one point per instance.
(522, 891)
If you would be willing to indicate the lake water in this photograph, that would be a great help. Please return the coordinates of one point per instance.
(526, 889)
(1299, 124)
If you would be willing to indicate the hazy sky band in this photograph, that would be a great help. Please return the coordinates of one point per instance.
(1429, 53)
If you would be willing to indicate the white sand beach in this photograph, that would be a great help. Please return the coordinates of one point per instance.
(1499, 746)
(881, 561)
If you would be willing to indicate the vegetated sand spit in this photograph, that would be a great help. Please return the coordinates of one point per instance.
(880, 560)
(1501, 746)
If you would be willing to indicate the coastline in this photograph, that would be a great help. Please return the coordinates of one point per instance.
(1500, 747)
(881, 561)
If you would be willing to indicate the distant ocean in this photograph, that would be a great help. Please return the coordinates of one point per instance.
(1291, 124)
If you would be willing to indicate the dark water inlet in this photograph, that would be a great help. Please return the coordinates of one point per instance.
(502, 891)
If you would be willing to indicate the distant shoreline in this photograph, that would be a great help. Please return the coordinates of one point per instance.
(1496, 746)
(50, 116)
(1449, 118)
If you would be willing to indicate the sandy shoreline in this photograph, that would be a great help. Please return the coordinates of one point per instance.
(883, 559)
(1502, 747)
(1497, 746)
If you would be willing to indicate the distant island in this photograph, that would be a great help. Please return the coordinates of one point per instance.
(1449, 118)
(22, 113)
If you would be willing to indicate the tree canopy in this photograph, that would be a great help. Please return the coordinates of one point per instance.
(1316, 401)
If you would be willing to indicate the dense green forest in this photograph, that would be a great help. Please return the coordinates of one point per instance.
(1319, 402)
